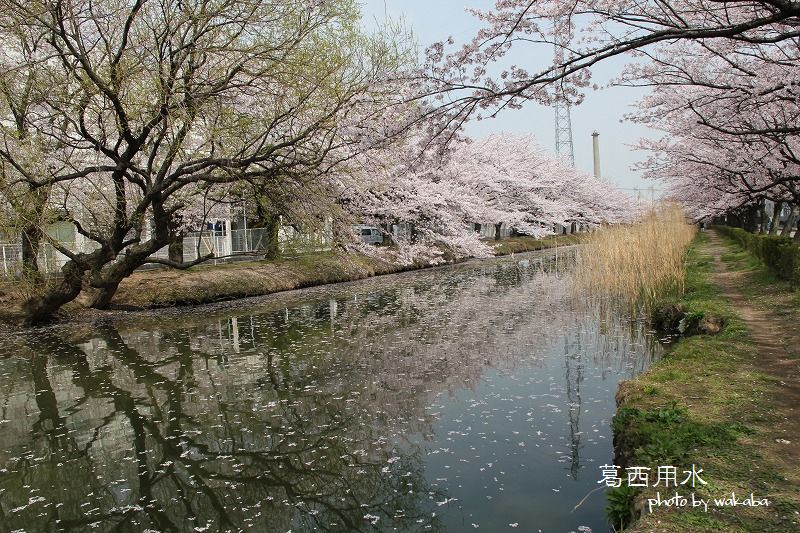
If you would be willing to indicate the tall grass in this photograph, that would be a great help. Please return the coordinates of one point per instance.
(636, 264)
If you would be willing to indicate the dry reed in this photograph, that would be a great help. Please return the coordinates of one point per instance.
(636, 264)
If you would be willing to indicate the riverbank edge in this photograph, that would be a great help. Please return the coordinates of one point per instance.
(205, 284)
(705, 404)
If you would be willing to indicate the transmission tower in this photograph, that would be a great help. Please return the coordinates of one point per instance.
(563, 116)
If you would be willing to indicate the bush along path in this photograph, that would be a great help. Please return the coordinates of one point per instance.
(726, 404)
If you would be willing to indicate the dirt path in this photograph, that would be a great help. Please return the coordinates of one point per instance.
(777, 339)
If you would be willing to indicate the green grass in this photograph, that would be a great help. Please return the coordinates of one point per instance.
(705, 403)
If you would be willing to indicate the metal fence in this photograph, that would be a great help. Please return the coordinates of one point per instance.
(225, 245)
(252, 242)
(48, 259)
(12, 259)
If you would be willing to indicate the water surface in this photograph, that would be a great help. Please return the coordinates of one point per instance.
(472, 396)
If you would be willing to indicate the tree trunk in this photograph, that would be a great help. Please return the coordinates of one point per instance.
(790, 220)
(776, 216)
(106, 282)
(41, 308)
(176, 250)
(101, 298)
(388, 239)
(31, 238)
(497, 232)
(415, 233)
(751, 221)
(272, 223)
(764, 219)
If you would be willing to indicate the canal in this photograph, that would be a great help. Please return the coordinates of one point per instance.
(475, 396)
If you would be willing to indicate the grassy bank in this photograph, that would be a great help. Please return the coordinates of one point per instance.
(212, 283)
(708, 403)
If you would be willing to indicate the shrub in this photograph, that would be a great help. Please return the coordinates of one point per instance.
(780, 254)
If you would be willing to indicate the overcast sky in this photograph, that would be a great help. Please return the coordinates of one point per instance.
(435, 20)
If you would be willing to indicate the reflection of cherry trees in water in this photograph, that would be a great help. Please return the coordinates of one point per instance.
(181, 449)
(308, 412)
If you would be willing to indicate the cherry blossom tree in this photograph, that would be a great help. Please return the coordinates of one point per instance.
(520, 184)
(730, 117)
(502, 179)
(150, 105)
(584, 32)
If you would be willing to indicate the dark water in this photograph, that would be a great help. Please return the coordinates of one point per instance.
(446, 400)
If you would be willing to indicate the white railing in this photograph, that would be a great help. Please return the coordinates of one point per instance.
(201, 244)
